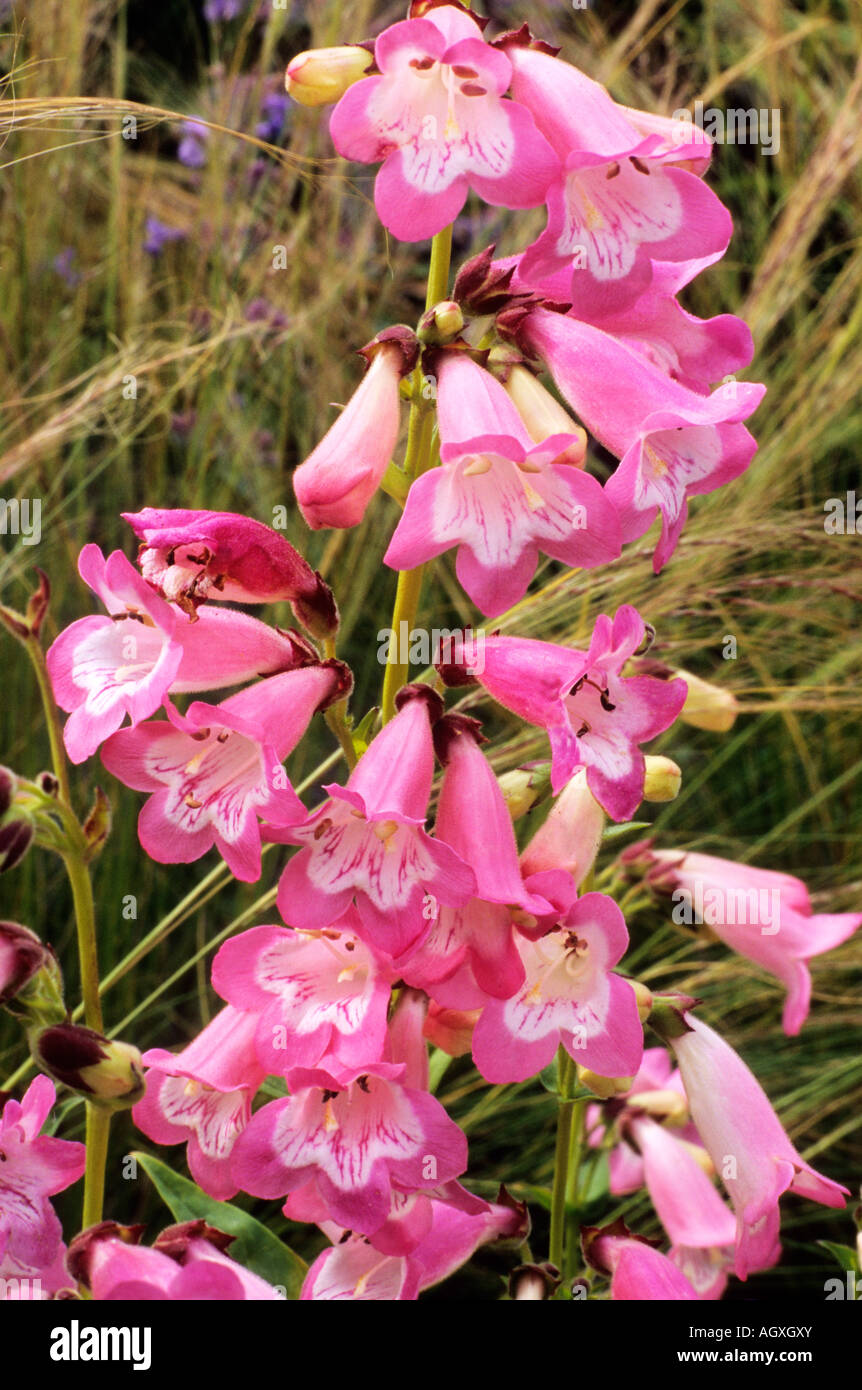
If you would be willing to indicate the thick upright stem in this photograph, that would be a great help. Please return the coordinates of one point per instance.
(420, 443)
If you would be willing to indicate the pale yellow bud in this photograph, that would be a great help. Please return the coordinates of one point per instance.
(644, 1000)
(524, 787)
(707, 706)
(543, 415)
(662, 779)
(604, 1087)
(322, 75)
(670, 1106)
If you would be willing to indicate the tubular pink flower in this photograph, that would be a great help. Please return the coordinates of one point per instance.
(217, 769)
(639, 1273)
(202, 1096)
(24, 1283)
(569, 996)
(191, 556)
(354, 1270)
(367, 844)
(104, 668)
(357, 1136)
(338, 479)
(33, 1167)
(319, 997)
(764, 915)
(571, 834)
(595, 717)
(437, 119)
(687, 1203)
(745, 1139)
(672, 443)
(620, 199)
(120, 1272)
(498, 497)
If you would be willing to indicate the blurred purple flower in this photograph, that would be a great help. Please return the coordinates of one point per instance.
(158, 234)
(261, 311)
(63, 262)
(215, 10)
(273, 110)
(192, 149)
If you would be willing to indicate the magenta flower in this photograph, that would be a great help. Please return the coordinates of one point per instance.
(217, 770)
(470, 952)
(764, 915)
(437, 119)
(639, 1273)
(367, 843)
(338, 479)
(187, 1263)
(202, 1097)
(104, 668)
(595, 717)
(746, 1142)
(570, 996)
(33, 1167)
(498, 497)
(23, 1283)
(191, 556)
(355, 1270)
(357, 1136)
(672, 443)
(319, 997)
(620, 199)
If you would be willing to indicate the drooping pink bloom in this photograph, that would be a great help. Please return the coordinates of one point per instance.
(672, 443)
(571, 834)
(437, 119)
(639, 1273)
(319, 996)
(688, 1205)
(187, 1264)
(340, 476)
(33, 1167)
(357, 1136)
(191, 556)
(499, 497)
(202, 1096)
(621, 198)
(104, 668)
(595, 717)
(216, 770)
(762, 914)
(354, 1270)
(657, 1090)
(745, 1139)
(571, 996)
(470, 952)
(367, 843)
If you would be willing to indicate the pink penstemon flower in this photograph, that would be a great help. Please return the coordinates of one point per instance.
(438, 118)
(216, 771)
(106, 668)
(33, 1168)
(202, 1096)
(186, 1263)
(499, 497)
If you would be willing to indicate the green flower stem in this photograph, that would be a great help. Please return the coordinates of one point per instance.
(562, 1158)
(418, 458)
(575, 1191)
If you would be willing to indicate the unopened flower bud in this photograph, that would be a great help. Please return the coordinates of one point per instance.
(29, 975)
(708, 706)
(16, 836)
(644, 999)
(109, 1073)
(534, 1282)
(8, 783)
(442, 323)
(605, 1087)
(450, 1029)
(321, 76)
(525, 787)
(669, 1106)
(543, 415)
(662, 779)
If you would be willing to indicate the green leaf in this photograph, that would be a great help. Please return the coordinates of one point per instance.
(254, 1246)
(613, 832)
(844, 1254)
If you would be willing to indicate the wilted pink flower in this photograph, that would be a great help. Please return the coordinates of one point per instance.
(367, 843)
(33, 1167)
(319, 996)
(104, 668)
(338, 479)
(672, 443)
(760, 913)
(187, 1263)
(191, 556)
(744, 1137)
(595, 717)
(499, 497)
(436, 118)
(216, 770)
(620, 198)
(571, 996)
(357, 1136)
(202, 1096)
(354, 1270)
